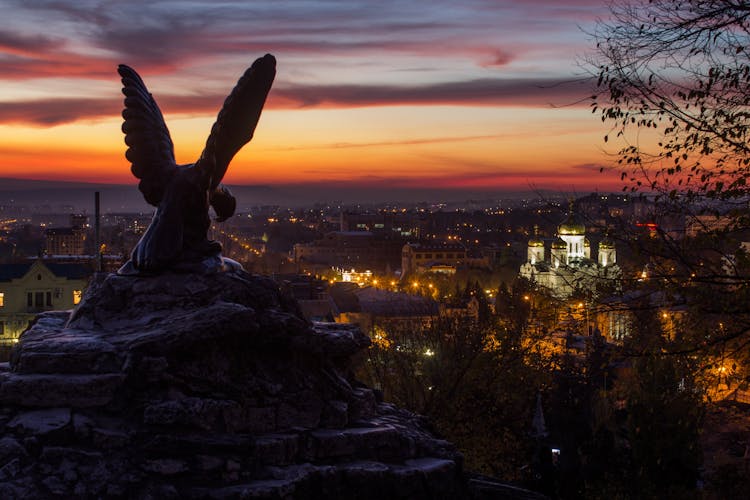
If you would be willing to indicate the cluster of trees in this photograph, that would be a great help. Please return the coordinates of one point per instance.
(625, 425)
(477, 386)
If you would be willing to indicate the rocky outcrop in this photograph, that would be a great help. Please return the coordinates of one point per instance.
(188, 386)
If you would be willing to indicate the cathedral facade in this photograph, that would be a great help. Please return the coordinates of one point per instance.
(568, 264)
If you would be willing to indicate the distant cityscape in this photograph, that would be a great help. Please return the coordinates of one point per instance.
(328, 251)
(569, 281)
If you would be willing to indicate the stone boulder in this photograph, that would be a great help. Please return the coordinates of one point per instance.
(205, 386)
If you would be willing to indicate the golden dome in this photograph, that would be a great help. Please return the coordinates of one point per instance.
(559, 244)
(536, 241)
(607, 243)
(571, 226)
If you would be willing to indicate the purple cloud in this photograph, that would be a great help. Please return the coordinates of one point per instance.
(489, 91)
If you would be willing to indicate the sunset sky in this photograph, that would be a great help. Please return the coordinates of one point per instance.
(478, 94)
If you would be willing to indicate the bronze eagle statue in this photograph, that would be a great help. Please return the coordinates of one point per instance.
(177, 238)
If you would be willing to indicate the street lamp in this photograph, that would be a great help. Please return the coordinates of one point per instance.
(582, 305)
(528, 298)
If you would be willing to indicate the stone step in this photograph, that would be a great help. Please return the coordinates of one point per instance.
(330, 446)
(56, 390)
(380, 443)
(277, 449)
(192, 444)
(285, 482)
(75, 357)
(49, 347)
(423, 478)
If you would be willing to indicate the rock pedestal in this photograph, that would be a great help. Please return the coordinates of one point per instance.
(188, 386)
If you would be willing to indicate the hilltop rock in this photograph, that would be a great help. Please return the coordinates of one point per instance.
(212, 386)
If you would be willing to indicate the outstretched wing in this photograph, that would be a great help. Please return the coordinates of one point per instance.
(237, 119)
(150, 149)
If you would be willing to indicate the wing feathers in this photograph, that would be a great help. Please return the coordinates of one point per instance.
(235, 124)
(150, 149)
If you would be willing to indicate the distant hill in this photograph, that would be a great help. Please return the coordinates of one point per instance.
(51, 195)
(11, 184)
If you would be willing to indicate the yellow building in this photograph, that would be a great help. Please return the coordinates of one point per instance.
(30, 288)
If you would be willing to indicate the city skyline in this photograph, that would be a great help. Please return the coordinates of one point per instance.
(483, 96)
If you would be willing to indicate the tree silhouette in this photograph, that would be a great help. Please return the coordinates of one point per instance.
(680, 69)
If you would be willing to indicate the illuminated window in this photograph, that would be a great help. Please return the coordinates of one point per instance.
(77, 296)
(2, 299)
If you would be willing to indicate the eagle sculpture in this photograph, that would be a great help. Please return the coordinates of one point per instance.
(176, 239)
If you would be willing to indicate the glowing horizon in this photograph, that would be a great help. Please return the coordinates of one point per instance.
(485, 95)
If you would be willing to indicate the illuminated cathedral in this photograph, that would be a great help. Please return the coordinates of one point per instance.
(570, 266)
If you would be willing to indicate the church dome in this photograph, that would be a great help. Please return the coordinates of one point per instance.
(536, 241)
(607, 243)
(572, 225)
(559, 244)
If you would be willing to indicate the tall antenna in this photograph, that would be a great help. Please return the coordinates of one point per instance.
(97, 235)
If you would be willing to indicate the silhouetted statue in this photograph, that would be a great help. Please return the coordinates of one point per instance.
(177, 237)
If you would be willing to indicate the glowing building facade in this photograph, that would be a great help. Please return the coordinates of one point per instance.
(570, 265)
